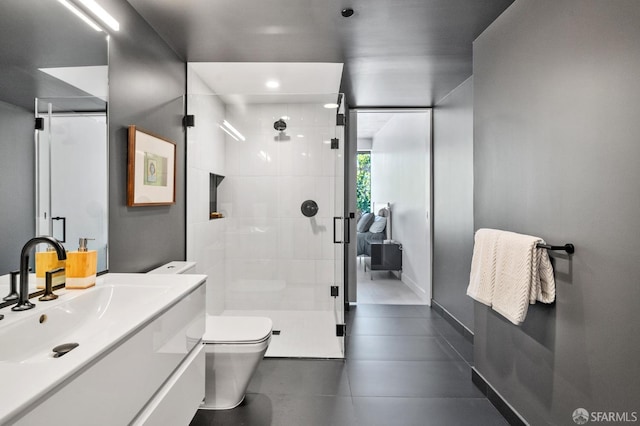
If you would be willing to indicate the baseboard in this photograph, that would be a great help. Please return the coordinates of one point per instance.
(498, 401)
(455, 323)
(415, 288)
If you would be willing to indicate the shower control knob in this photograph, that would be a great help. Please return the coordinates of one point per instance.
(309, 208)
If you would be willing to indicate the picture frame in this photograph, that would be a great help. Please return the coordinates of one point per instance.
(151, 169)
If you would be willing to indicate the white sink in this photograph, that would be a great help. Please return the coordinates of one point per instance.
(81, 320)
(99, 319)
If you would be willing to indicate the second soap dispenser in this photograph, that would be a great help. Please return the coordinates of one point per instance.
(46, 261)
(81, 266)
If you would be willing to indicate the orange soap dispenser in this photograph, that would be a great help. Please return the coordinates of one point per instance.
(81, 266)
(46, 261)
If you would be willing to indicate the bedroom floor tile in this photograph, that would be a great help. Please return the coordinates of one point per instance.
(385, 288)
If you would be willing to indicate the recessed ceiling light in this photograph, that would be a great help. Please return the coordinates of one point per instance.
(272, 84)
(331, 106)
(300, 136)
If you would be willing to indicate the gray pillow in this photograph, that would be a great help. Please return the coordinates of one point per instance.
(365, 222)
(378, 224)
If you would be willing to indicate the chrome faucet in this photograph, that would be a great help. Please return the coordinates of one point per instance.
(23, 301)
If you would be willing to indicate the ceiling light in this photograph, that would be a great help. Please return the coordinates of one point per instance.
(272, 84)
(300, 136)
(102, 14)
(331, 106)
(80, 15)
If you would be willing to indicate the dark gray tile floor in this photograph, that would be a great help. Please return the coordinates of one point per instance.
(405, 365)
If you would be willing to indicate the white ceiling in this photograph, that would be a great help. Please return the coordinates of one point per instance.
(245, 82)
(370, 123)
(91, 79)
(249, 78)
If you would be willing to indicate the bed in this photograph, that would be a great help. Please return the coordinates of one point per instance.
(373, 228)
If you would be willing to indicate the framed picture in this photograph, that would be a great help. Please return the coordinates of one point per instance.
(151, 169)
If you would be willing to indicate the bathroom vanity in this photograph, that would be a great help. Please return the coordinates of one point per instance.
(138, 358)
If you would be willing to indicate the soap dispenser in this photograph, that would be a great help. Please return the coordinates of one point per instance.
(46, 261)
(81, 266)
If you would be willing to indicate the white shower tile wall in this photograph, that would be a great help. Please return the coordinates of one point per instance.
(277, 259)
(249, 237)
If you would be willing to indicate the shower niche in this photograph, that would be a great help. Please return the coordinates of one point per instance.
(214, 182)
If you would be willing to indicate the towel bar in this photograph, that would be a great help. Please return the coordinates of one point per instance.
(569, 248)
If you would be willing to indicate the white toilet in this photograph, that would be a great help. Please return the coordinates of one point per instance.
(234, 346)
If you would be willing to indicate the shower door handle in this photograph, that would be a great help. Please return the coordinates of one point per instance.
(347, 235)
(64, 227)
(346, 230)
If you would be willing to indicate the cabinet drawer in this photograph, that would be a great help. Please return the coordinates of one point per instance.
(179, 398)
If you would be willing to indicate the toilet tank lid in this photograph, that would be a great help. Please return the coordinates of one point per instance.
(175, 267)
(232, 329)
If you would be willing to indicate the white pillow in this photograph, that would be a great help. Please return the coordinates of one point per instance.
(378, 224)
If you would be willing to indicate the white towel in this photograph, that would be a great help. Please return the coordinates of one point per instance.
(508, 272)
(483, 266)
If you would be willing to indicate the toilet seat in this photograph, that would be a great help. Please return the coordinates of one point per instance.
(236, 330)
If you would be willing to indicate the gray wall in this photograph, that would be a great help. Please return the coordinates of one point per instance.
(453, 201)
(147, 81)
(556, 153)
(17, 209)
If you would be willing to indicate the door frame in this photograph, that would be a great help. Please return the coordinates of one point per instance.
(351, 149)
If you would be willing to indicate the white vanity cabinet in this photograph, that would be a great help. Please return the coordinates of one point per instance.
(152, 373)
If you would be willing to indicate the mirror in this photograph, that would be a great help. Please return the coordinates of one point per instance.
(71, 173)
(53, 71)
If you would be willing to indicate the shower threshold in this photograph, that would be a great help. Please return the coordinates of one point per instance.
(302, 334)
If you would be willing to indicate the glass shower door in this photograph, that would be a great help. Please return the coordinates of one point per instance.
(341, 233)
(268, 257)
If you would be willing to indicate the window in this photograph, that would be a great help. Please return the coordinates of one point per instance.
(363, 182)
